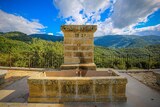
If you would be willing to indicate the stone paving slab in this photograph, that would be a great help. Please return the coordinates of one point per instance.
(147, 78)
(17, 90)
(140, 95)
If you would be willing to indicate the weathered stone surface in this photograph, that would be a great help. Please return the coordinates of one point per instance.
(2, 76)
(68, 89)
(84, 48)
(101, 88)
(69, 60)
(157, 74)
(68, 54)
(77, 28)
(90, 66)
(85, 87)
(78, 44)
(71, 48)
(68, 41)
(78, 54)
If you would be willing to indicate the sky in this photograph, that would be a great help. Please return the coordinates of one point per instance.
(112, 17)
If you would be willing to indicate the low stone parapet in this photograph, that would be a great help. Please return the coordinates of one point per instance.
(157, 74)
(77, 89)
(2, 76)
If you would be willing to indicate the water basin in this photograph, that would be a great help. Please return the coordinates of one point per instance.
(71, 86)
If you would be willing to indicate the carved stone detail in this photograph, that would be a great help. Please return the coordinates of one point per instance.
(80, 28)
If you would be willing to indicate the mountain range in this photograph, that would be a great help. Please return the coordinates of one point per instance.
(126, 41)
(111, 41)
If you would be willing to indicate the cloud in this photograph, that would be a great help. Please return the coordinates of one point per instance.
(11, 22)
(81, 11)
(150, 30)
(130, 12)
(124, 14)
(107, 28)
(50, 34)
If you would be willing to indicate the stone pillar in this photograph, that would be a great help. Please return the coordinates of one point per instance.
(78, 47)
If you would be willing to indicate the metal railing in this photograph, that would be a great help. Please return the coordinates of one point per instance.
(128, 61)
(53, 60)
(31, 60)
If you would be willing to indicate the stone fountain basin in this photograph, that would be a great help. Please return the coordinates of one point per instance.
(64, 86)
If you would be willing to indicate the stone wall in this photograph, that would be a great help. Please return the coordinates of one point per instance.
(86, 89)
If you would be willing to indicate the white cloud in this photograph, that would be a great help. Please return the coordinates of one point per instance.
(81, 11)
(107, 28)
(128, 12)
(50, 34)
(11, 22)
(150, 30)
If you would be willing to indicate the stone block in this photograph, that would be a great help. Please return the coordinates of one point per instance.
(68, 54)
(78, 54)
(101, 89)
(51, 88)
(78, 41)
(68, 88)
(88, 54)
(68, 35)
(71, 48)
(85, 87)
(120, 89)
(86, 60)
(86, 48)
(89, 42)
(68, 41)
(35, 87)
(71, 60)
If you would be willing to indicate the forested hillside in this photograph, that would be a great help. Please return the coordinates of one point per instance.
(17, 49)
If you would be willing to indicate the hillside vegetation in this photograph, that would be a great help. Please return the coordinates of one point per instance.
(20, 50)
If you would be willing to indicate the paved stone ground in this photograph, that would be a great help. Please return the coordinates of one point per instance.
(148, 78)
(138, 95)
(16, 89)
(15, 75)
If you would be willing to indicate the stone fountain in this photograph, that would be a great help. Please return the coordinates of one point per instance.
(78, 79)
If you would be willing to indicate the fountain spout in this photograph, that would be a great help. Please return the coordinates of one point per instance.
(78, 72)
